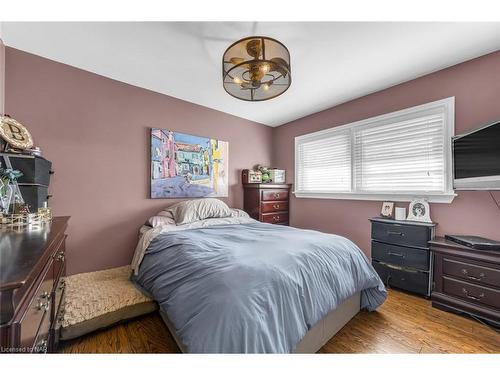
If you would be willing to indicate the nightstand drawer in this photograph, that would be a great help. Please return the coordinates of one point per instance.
(472, 293)
(275, 218)
(275, 195)
(398, 234)
(400, 255)
(412, 281)
(267, 207)
(471, 272)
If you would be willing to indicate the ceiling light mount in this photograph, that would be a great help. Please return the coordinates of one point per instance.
(256, 68)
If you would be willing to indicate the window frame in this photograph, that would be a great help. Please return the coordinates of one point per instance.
(446, 106)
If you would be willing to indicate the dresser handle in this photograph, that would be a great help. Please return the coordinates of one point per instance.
(396, 254)
(276, 206)
(395, 233)
(60, 257)
(466, 274)
(276, 195)
(276, 218)
(469, 296)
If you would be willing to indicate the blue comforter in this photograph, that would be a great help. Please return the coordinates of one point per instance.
(253, 288)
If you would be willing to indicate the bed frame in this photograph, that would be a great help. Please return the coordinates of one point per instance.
(316, 337)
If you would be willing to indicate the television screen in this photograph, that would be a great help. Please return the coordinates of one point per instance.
(476, 158)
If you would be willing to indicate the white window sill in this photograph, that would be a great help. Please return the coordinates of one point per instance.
(394, 197)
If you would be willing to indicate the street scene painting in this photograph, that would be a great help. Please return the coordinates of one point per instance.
(184, 165)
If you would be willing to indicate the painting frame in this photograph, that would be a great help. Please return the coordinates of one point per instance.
(184, 165)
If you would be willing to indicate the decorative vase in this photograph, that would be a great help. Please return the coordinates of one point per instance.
(7, 197)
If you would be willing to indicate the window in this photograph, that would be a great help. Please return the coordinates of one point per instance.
(397, 156)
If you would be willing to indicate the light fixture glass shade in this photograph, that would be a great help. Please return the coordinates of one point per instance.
(256, 68)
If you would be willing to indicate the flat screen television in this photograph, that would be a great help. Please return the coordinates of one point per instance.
(476, 159)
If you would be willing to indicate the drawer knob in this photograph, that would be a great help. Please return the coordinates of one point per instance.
(466, 274)
(395, 233)
(43, 306)
(396, 254)
(470, 296)
(60, 257)
(45, 295)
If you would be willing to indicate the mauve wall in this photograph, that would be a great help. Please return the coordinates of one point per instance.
(476, 87)
(2, 76)
(96, 132)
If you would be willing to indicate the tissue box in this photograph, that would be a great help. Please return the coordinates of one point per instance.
(277, 176)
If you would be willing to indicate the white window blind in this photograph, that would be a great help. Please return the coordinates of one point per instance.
(401, 156)
(325, 164)
(391, 157)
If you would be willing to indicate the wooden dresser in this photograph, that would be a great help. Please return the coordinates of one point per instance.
(466, 280)
(401, 254)
(32, 287)
(268, 203)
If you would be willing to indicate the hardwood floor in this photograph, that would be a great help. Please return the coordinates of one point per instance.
(403, 324)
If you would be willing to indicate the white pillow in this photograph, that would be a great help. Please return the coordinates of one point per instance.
(193, 210)
(235, 212)
(161, 218)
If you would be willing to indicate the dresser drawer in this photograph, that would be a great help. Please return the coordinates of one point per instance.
(398, 234)
(275, 218)
(471, 272)
(275, 195)
(38, 309)
(472, 293)
(400, 255)
(274, 206)
(412, 281)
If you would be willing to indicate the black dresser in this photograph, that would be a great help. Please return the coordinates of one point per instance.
(401, 254)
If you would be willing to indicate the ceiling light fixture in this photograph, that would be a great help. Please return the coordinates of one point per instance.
(256, 68)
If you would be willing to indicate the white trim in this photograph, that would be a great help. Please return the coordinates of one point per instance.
(478, 183)
(398, 197)
(446, 106)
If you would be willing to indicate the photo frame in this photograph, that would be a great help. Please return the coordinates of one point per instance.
(419, 210)
(387, 210)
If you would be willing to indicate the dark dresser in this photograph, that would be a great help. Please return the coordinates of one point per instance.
(401, 254)
(268, 203)
(32, 287)
(466, 280)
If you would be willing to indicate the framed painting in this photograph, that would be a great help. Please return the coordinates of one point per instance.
(187, 166)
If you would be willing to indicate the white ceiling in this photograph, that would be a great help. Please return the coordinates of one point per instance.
(331, 62)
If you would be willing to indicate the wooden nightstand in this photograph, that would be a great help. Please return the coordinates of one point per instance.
(268, 203)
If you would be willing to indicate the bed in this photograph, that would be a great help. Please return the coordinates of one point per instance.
(235, 285)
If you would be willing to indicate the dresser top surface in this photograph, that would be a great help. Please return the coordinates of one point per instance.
(20, 252)
(267, 186)
(439, 243)
(402, 222)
